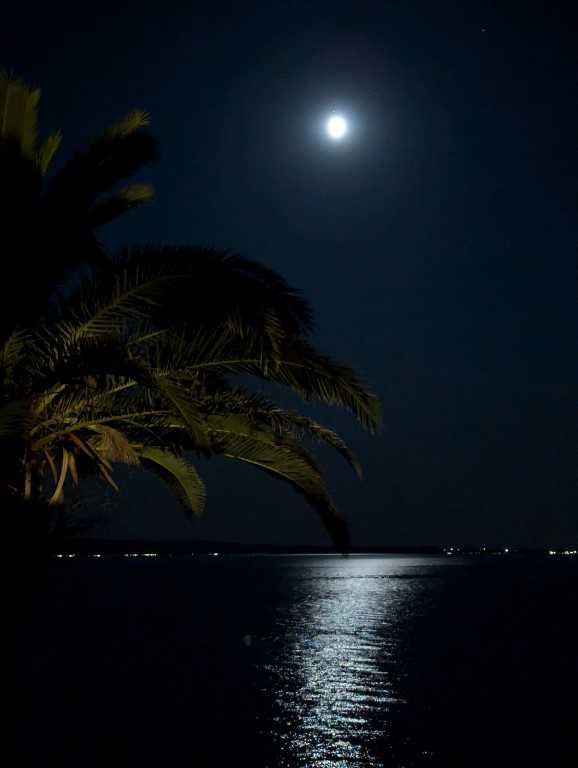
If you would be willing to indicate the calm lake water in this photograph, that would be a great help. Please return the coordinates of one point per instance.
(300, 661)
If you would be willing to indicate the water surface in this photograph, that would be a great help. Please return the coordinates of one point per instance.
(300, 661)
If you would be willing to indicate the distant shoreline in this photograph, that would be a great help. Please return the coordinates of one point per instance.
(178, 548)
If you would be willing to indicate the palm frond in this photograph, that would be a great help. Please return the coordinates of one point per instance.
(220, 288)
(106, 303)
(109, 160)
(113, 445)
(317, 377)
(187, 289)
(138, 363)
(131, 196)
(294, 465)
(258, 411)
(179, 399)
(18, 113)
(73, 468)
(47, 150)
(93, 460)
(180, 475)
(297, 366)
(59, 356)
(11, 355)
(58, 494)
(132, 121)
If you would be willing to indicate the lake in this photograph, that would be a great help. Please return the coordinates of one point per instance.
(305, 661)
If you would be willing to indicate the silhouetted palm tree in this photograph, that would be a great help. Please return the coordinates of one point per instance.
(49, 220)
(147, 360)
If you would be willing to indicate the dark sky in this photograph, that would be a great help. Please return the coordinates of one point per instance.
(438, 246)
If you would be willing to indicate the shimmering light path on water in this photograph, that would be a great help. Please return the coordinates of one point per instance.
(334, 681)
(299, 662)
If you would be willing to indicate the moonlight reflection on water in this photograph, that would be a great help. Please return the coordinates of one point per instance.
(300, 662)
(334, 683)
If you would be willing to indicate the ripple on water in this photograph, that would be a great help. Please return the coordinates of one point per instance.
(334, 682)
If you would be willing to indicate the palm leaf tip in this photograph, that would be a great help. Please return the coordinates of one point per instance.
(137, 194)
(373, 415)
(112, 445)
(131, 196)
(337, 527)
(47, 151)
(317, 377)
(179, 474)
(331, 438)
(333, 521)
(19, 112)
(288, 461)
(133, 121)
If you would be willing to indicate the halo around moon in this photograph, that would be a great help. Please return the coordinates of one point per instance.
(336, 127)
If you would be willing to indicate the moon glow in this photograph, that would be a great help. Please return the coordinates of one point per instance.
(336, 127)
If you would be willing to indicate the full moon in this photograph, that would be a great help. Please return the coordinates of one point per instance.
(336, 127)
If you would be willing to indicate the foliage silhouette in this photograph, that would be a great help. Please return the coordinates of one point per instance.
(148, 359)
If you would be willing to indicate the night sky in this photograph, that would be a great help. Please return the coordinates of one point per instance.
(437, 245)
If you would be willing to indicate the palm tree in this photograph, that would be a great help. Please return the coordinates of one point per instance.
(148, 361)
(117, 375)
(50, 220)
